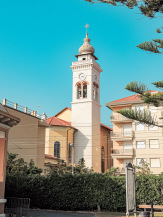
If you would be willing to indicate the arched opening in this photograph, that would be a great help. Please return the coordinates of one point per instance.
(102, 159)
(69, 152)
(79, 91)
(85, 91)
(95, 91)
(57, 149)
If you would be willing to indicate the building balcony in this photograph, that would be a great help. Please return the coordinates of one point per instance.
(124, 136)
(118, 118)
(122, 153)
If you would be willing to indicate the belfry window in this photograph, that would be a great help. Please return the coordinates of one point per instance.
(79, 91)
(82, 89)
(85, 91)
(57, 149)
(95, 91)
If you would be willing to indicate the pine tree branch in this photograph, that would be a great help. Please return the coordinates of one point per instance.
(158, 84)
(142, 117)
(147, 7)
(137, 87)
(150, 46)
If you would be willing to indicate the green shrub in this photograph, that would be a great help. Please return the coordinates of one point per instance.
(83, 191)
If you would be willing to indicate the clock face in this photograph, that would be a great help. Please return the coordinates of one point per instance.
(82, 76)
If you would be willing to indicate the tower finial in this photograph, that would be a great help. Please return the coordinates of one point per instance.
(86, 26)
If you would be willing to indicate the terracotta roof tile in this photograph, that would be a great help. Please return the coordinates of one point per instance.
(129, 98)
(57, 122)
(106, 127)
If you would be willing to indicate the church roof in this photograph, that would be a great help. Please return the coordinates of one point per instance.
(58, 122)
(67, 108)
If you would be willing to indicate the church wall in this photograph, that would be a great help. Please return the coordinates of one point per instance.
(65, 115)
(64, 135)
(82, 120)
(108, 145)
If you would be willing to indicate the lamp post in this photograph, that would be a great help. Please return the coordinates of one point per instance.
(72, 146)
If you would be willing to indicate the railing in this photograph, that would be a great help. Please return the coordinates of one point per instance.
(122, 151)
(118, 117)
(17, 206)
(23, 109)
(121, 170)
(121, 135)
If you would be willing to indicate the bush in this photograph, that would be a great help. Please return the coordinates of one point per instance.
(83, 191)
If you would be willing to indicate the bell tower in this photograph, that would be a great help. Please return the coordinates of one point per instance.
(86, 106)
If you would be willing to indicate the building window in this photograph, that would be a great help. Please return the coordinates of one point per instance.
(153, 143)
(102, 159)
(140, 144)
(85, 91)
(127, 130)
(152, 109)
(155, 162)
(140, 161)
(57, 149)
(152, 127)
(139, 108)
(69, 152)
(139, 126)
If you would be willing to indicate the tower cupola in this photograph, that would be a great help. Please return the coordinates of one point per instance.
(86, 48)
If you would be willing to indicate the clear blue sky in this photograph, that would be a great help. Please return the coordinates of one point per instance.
(38, 41)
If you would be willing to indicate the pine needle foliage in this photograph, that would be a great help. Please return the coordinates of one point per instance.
(158, 84)
(148, 8)
(143, 117)
(147, 97)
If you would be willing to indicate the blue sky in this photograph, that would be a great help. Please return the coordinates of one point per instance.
(38, 41)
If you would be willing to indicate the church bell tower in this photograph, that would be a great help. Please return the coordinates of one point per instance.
(86, 106)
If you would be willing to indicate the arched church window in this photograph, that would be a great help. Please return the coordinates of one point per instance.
(57, 149)
(69, 152)
(79, 91)
(85, 91)
(102, 159)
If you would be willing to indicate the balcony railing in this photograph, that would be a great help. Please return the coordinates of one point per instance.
(122, 153)
(122, 135)
(119, 117)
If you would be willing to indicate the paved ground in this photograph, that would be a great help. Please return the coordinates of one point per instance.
(41, 213)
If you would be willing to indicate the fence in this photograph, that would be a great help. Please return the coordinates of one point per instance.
(18, 207)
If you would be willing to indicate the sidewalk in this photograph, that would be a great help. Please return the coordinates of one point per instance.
(52, 213)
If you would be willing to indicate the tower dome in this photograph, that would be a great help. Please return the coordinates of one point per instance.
(86, 47)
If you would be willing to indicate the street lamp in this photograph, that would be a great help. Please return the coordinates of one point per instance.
(72, 146)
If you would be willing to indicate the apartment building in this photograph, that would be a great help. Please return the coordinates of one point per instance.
(133, 141)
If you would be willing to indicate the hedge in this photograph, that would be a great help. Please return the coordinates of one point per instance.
(83, 191)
